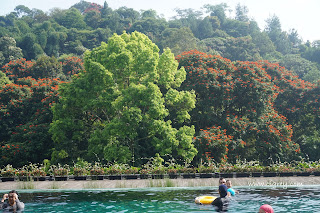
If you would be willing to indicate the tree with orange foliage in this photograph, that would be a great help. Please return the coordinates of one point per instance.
(239, 97)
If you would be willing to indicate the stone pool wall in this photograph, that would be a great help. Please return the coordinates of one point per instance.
(143, 183)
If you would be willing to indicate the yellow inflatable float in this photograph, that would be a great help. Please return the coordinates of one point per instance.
(205, 199)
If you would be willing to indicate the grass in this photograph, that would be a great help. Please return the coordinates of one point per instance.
(161, 183)
(169, 183)
(91, 185)
(54, 185)
(26, 185)
(121, 184)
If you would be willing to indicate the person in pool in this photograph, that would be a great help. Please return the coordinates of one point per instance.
(222, 181)
(266, 209)
(221, 203)
(11, 202)
(230, 189)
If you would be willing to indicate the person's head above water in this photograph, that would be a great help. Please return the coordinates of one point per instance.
(12, 197)
(266, 209)
(222, 181)
(229, 184)
(223, 190)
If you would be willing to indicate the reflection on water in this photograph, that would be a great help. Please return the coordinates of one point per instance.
(170, 200)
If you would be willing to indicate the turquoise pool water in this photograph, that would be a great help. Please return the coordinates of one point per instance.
(300, 199)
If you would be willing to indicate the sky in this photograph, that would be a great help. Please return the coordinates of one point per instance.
(302, 15)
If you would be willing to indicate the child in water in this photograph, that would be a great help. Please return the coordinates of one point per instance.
(230, 189)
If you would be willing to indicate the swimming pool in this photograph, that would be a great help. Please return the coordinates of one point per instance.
(298, 199)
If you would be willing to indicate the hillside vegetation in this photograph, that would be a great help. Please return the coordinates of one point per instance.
(123, 86)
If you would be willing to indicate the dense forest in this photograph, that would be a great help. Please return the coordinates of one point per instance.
(122, 86)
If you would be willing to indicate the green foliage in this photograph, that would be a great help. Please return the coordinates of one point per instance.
(3, 79)
(72, 19)
(47, 67)
(120, 115)
(299, 65)
(178, 40)
(8, 50)
(241, 48)
(127, 85)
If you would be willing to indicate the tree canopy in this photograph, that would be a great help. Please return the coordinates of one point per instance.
(118, 107)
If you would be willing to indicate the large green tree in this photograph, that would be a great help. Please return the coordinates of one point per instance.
(118, 108)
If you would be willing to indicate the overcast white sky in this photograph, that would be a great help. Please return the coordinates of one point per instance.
(302, 15)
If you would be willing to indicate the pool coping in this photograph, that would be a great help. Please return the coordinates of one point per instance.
(276, 182)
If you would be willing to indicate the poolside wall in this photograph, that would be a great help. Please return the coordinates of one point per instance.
(283, 182)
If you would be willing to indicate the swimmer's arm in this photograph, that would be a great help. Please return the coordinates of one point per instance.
(5, 196)
(20, 205)
(2, 203)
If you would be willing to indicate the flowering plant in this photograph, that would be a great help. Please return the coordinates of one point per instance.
(145, 171)
(96, 169)
(187, 170)
(60, 170)
(131, 170)
(23, 172)
(207, 169)
(172, 171)
(79, 171)
(226, 168)
(8, 171)
(37, 170)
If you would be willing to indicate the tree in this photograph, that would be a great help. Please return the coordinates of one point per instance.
(25, 117)
(71, 65)
(151, 27)
(52, 46)
(277, 36)
(106, 10)
(73, 19)
(242, 13)
(22, 10)
(22, 26)
(82, 6)
(297, 101)
(149, 14)
(189, 18)
(236, 28)
(263, 43)
(298, 65)
(27, 44)
(8, 50)
(205, 29)
(117, 109)
(218, 10)
(241, 48)
(3, 79)
(19, 68)
(294, 38)
(92, 19)
(313, 52)
(178, 40)
(234, 113)
(46, 67)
